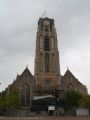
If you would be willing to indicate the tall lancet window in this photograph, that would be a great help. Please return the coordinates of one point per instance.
(47, 63)
(46, 43)
(25, 95)
(52, 42)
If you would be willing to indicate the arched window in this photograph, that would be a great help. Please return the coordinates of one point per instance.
(41, 42)
(52, 42)
(47, 63)
(25, 95)
(41, 62)
(46, 43)
(70, 87)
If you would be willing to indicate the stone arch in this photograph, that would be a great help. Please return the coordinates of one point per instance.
(70, 87)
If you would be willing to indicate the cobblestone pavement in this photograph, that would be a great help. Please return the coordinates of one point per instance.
(45, 118)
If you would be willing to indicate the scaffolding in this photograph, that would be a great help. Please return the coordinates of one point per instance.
(44, 97)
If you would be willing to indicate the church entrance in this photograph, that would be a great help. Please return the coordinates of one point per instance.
(51, 109)
(51, 112)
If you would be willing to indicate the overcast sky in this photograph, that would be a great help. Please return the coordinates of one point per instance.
(18, 26)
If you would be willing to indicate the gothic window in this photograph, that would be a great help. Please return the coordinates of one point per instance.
(47, 85)
(25, 95)
(53, 62)
(41, 62)
(52, 42)
(46, 43)
(41, 42)
(70, 87)
(47, 63)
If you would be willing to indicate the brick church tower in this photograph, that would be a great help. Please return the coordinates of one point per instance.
(47, 67)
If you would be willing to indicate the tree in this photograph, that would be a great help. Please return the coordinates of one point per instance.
(12, 100)
(72, 99)
(9, 102)
(85, 101)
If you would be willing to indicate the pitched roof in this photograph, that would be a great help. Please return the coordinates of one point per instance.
(27, 71)
(68, 73)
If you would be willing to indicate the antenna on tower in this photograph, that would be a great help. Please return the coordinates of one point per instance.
(67, 68)
(44, 14)
(26, 66)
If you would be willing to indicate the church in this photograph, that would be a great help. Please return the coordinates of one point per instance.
(47, 83)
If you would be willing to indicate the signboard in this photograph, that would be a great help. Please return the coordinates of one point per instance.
(82, 112)
(51, 107)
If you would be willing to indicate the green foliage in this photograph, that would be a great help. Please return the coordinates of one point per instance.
(2, 102)
(76, 99)
(10, 101)
(72, 99)
(85, 101)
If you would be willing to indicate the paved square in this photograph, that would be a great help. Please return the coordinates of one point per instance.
(45, 118)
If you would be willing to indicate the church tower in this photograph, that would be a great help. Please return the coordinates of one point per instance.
(47, 67)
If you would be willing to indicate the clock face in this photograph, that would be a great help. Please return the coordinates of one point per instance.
(46, 23)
